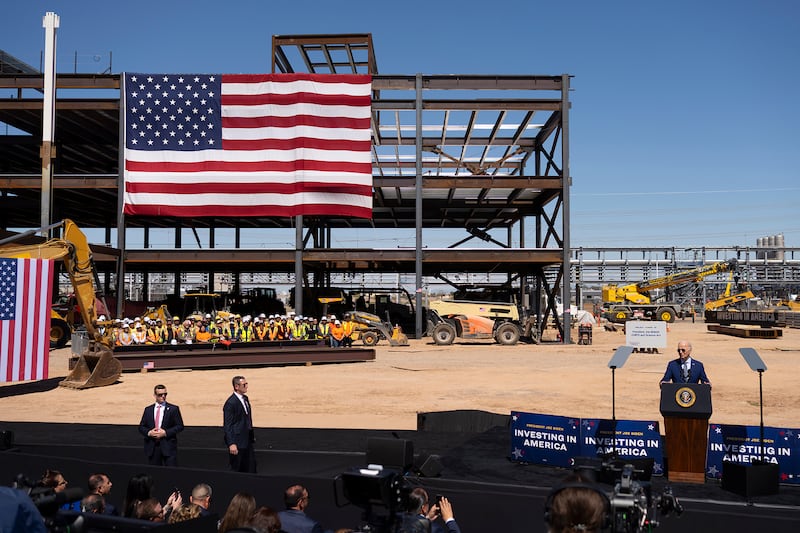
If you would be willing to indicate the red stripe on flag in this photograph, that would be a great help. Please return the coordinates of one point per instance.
(297, 142)
(295, 120)
(358, 79)
(296, 98)
(247, 188)
(248, 211)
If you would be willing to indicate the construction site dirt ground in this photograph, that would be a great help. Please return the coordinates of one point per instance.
(551, 378)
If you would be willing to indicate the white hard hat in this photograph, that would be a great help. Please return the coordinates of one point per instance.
(208, 315)
(101, 317)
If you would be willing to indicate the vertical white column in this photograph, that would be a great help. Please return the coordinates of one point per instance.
(50, 23)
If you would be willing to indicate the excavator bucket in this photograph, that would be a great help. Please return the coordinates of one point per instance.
(398, 338)
(96, 367)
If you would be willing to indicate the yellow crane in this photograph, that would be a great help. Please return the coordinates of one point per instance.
(623, 302)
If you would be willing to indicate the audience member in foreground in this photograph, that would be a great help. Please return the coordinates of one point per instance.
(239, 512)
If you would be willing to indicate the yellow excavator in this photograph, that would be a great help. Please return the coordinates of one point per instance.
(96, 366)
(728, 299)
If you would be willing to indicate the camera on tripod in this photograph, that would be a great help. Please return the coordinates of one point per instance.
(630, 506)
(381, 493)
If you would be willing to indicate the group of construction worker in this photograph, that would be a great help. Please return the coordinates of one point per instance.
(327, 330)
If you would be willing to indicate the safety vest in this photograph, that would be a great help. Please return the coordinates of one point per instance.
(276, 332)
(246, 334)
(261, 331)
(139, 336)
(125, 339)
(184, 334)
(324, 329)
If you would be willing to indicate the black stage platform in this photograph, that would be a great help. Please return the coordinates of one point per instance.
(489, 492)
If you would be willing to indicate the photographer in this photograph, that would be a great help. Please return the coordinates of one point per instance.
(421, 516)
(576, 506)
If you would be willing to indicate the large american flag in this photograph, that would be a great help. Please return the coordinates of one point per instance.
(26, 287)
(247, 145)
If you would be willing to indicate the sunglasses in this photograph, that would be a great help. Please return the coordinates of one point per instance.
(161, 394)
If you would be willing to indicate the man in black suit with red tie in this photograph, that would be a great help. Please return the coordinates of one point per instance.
(161, 422)
(237, 422)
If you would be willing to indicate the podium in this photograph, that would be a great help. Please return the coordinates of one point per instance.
(686, 408)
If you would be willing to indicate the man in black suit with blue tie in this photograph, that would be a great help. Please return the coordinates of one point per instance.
(237, 422)
(161, 422)
(684, 369)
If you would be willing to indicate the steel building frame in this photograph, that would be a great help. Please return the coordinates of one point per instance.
(481, 155)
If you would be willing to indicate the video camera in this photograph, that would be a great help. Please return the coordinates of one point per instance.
(385, 497)
(632, 506)
(48, 502)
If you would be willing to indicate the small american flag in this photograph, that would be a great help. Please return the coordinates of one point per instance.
(242, 145)
(25, 290)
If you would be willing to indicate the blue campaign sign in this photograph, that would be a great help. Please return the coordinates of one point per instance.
(742, 444)
(544, 439)
(627, 439)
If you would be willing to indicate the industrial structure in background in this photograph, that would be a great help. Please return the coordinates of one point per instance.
(493, 165)
(483, 157)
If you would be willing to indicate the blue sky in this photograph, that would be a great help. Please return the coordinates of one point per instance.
(684, 114)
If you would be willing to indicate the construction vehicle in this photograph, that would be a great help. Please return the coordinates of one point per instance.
(393, 305)
(158, 313)
(65, 318)
(196, 305)
(96, 366)
(792, 304)
(626, 302)
(257, 300)
(728, 300)
(374, 329)
(503, 322)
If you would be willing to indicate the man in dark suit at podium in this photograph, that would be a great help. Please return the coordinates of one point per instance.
(685, 369)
